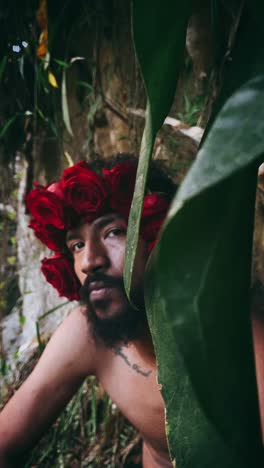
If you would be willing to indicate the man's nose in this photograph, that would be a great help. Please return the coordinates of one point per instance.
(94, 258)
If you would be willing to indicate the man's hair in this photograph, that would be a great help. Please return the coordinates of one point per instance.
(84, 193)
(159, 179)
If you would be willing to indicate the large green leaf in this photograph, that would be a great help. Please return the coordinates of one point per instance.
(159, 37)
(245, 58)
(198, 295)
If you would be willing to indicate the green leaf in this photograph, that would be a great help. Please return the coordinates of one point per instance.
(22, 319)
(198, 295)
(62, 63)
(245, 59)
(47, 121)
(159, 38)
(85, 84)
(43, 316)
(8, 124)
(3, 64)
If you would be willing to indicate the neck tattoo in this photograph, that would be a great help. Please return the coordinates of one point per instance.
(118, 351)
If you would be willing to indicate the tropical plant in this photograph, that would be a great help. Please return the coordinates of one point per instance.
(199, 310)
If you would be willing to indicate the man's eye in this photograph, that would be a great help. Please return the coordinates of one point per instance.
(76, 246)
(116, 232)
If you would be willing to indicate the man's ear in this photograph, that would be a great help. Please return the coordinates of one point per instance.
(261, 170)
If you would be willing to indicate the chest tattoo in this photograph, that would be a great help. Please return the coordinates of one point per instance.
(135, 367)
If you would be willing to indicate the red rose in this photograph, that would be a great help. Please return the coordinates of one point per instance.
(85, 191)
(154, 211)
(59, 272)
(50, 236)
(56, 188)
(122, 179)
(39, 186)
(46, 207)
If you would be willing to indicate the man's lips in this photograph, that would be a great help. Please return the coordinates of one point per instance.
(102, 288)
(99, 290)
(96, 286)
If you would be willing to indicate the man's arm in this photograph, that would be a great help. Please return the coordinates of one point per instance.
(68, 358)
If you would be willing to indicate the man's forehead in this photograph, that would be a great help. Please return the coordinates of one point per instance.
(97, 223)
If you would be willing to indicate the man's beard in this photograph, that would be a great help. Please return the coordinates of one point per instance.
(126, 325)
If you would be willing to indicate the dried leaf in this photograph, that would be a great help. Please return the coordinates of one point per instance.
(42, 21)
(64, 102)
(52, 80)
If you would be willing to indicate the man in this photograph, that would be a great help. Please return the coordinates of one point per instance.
(83, 219)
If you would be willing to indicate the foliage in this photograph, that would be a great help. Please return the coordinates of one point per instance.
(9, 292)
(36, 72)
(207, 306)
(192, 110)
(90, 432)
(199, 278)
(35, 64)
(160, 69)
(199, 308)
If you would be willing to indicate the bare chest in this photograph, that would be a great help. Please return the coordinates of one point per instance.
(131, 383)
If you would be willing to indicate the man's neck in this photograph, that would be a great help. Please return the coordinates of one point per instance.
(144, 346)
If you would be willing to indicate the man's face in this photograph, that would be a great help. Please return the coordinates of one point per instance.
(98, 250)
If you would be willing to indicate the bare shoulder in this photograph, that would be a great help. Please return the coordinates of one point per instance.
(72, 346)
(67, 359)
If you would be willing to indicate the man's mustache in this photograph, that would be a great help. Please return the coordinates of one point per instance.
(107, 282)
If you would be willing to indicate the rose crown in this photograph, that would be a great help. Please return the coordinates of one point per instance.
(83, 195)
